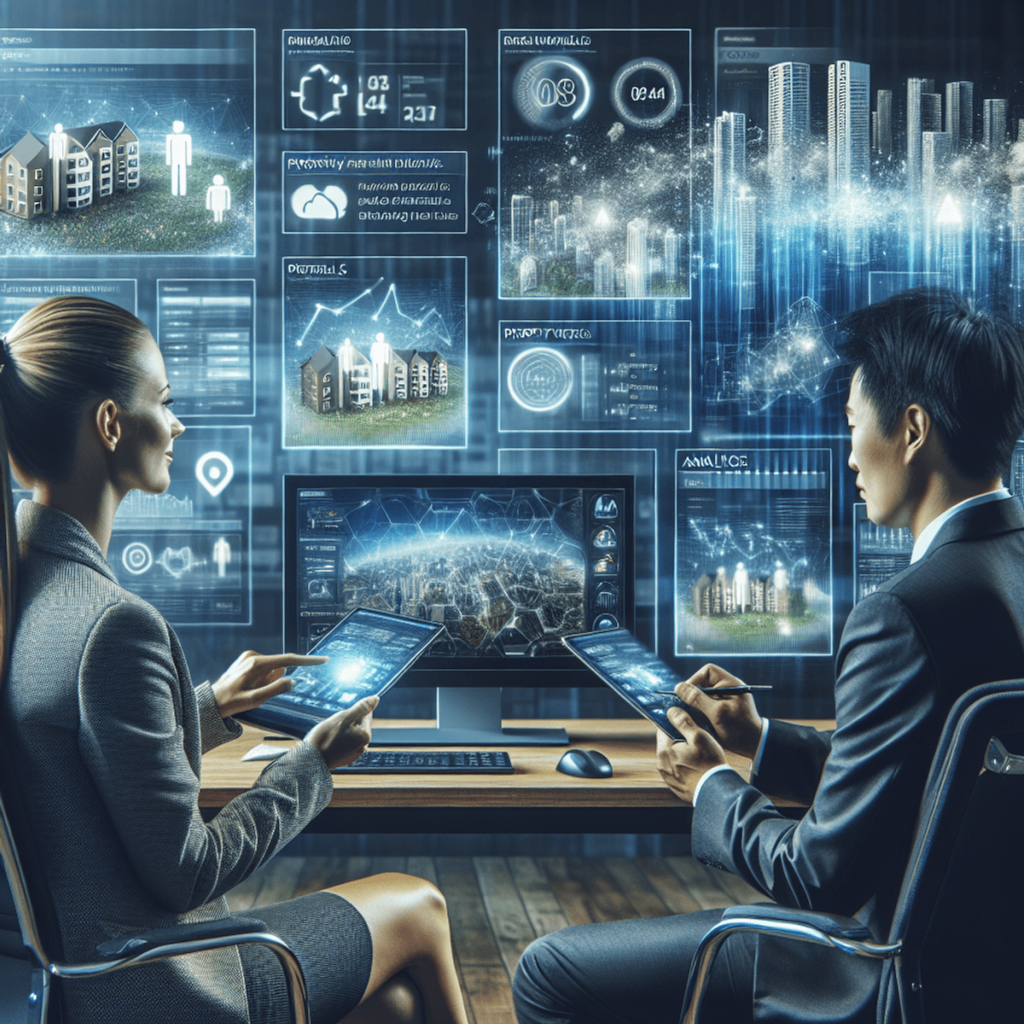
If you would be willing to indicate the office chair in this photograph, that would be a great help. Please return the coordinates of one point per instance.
(952, 953)
(28, 930)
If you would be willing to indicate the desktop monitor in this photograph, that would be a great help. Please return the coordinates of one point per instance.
(508, 564)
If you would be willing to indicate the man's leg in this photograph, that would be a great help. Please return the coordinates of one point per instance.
(629, 972)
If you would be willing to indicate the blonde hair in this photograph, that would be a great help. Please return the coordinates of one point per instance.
(59, 357)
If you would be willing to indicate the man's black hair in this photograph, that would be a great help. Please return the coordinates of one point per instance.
(964, 366)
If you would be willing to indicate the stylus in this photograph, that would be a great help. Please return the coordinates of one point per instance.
(720, 691)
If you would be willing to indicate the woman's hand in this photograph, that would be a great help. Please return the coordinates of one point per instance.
(254, 678)
(345, 735)
(735, 718)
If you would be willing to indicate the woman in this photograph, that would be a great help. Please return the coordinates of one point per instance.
(106, 731)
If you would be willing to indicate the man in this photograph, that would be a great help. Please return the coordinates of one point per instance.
(935, 407)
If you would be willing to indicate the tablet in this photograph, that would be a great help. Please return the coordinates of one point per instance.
(368, 650)
(632, 671)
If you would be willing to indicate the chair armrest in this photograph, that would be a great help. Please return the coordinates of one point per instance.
(834, 925)
(201, 931)
(819, 927)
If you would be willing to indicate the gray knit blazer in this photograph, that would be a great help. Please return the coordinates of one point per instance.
(107, 732)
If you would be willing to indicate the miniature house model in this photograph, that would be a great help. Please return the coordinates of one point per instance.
(69, 169)
(346, 380)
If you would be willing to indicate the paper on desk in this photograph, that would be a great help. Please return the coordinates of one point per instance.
(264, 752)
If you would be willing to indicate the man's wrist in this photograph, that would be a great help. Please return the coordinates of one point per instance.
(707, 775)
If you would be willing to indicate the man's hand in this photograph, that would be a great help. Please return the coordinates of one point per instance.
(346, 734)
(735, 718)
(254, 678)
(682, 762)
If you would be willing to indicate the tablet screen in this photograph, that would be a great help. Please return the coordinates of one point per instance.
(368, 651)
(631, 670)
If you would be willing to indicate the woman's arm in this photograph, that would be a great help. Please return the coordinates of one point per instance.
(139, 737)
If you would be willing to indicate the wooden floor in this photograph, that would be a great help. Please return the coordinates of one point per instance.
(498, 905)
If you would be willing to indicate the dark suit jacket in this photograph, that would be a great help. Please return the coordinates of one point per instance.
(948, 622)
(106, 734)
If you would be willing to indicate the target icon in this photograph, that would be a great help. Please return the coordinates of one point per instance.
(540, 379)
(137, 558)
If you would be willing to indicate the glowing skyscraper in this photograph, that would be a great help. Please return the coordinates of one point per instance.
(522, 224)
(849, 125)
(789, 122)
(949, 253)
(637, 272)
(936, 149)
(730, 162)
(604, 275)
(560, 233)
(746, 259)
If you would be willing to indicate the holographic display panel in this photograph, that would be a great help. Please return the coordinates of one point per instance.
(187, 551)
(753, 552)
(18, 296)
(594, 376)
(878, 552)
(206, 330)
(123, 141)
(386, 80)
(374, 353)
(595, 164)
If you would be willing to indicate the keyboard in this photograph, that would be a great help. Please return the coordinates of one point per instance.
(475, 762)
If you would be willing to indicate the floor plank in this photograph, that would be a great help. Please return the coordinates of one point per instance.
(510, 923)
(471, 931)
(542, 906)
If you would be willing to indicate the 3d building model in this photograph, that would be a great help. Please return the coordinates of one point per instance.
(69, 169)
(349, 380)
(733, 595)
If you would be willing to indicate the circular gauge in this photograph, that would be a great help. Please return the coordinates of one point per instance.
(540, 379)
(137, 558)
(552, 92)
(646, 92)
(606, 622)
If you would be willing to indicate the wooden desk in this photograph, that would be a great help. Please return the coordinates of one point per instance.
(534, 798)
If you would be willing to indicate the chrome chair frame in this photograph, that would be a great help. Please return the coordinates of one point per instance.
(968, 742)
(132, 951)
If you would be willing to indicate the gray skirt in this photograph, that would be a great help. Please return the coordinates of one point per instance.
(333, 945)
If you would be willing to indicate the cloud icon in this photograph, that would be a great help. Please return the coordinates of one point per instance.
(312, 203)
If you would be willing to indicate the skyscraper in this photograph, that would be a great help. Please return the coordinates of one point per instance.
(604, 275)
(960, 114)
(936, 149)
(915, 89)
(789, 122)
(637, 272)
(522, 224)
(849, 123)
(883, 139)
(746, 261)
(730, 162)
(993, 132)
(1017, 251)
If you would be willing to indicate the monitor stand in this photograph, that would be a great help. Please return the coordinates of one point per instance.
(469, 715)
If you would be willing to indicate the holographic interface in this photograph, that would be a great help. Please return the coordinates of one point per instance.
(595, 164)
(753, 552)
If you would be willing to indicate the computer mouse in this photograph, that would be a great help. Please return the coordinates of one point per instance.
(585, 764)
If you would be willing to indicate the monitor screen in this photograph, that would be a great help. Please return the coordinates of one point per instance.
(507, 564)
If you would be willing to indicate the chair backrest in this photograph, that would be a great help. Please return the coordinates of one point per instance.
(961, 907)
(29, 937)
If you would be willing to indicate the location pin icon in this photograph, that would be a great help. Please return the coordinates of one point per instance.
(215, 471)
